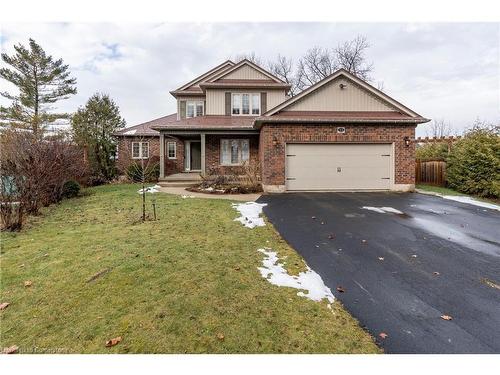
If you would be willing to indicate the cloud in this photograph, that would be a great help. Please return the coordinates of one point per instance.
(445, 71)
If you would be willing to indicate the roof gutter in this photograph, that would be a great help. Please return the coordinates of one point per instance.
(261, 120)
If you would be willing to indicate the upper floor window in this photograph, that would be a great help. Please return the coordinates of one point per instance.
(194, 108)
(140, 150)
(245, 104)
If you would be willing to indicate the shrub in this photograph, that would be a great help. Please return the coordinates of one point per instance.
(37, 167)
(473, 166)
(71, 189)
(151, 172)
(432, 151)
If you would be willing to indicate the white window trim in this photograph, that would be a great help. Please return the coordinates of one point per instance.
(140, 151)
(241, 162)
(250, 107)
(175, 150)
(195, 103)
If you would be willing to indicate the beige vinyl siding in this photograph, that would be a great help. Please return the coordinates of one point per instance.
(332, 98)
(186, 98)
(245, 72)
(216, 99)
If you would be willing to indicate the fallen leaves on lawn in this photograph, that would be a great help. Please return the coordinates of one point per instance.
(4, 305)
(220, 336)
(490, 283)
(113, 342)
(237, 268)
(10, 350)
(98, 274)
(446, 317)
(28, 283)
(383, 335)
(340, 289)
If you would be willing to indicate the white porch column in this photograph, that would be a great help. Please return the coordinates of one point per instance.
(162, 155)
(202, 139)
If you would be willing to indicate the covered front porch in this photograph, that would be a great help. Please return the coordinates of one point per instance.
(186, 156)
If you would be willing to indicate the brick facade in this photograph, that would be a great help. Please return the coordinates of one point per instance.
(273, 156)
(212, 152)
(125, 151)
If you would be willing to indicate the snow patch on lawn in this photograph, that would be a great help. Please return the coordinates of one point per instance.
(469, 200)
(308, 281)
(383, 210)
(250, 214)
(151, 189)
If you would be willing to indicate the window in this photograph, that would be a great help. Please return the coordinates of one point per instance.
(234, 151)
(194, 108)
(245, 104)
(140, 150)
(172, 150)
(255, 104)
(236, 104)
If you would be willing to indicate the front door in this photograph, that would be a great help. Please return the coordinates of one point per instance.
(195, 156)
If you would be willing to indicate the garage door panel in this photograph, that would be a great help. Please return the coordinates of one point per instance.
(338, 166)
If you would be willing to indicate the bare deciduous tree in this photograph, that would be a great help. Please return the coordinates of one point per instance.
(317, 64)
(252, 57)
(350, 55)
(438, 128)
(34, 170)
(283, 69)
(143, 169)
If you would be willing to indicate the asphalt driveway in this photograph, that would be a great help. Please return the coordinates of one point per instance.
(401, 272)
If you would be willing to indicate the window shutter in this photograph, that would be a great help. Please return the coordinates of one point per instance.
(263, 102)
(183, 109)
(228, 104)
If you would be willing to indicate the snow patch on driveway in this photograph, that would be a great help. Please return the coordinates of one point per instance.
(309, 280)
(250, 214)
(151, 189)
(383, 210)
(469, 200)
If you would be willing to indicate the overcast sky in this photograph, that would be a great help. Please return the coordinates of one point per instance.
(442, 71)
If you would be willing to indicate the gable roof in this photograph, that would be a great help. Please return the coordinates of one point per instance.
(342, 72)
(242, 63)
(186, 88)
(145, 129)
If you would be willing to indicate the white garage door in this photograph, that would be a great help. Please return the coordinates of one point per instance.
(338, 166)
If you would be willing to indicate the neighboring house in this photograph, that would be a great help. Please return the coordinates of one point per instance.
(339, 134)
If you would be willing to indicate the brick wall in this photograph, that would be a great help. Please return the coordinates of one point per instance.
(273, 157)
(171, 165)
(212, 152)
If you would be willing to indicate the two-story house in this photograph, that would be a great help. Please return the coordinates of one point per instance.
(339, 134)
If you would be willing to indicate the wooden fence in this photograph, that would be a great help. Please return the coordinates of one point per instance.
(431, 172)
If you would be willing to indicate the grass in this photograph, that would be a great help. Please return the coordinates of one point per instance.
(438, 189)
(175, 285)
(447, 191)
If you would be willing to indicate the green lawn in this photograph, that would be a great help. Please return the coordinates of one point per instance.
(187, 283)
(446, 191)
(438, 189)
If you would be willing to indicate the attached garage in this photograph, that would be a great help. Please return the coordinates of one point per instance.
(338, 166)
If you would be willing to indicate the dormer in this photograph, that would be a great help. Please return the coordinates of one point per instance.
(245, 89)
(191, 101)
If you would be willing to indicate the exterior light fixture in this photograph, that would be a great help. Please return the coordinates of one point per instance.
(275, 141)
(342, 86)
(407, 141)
